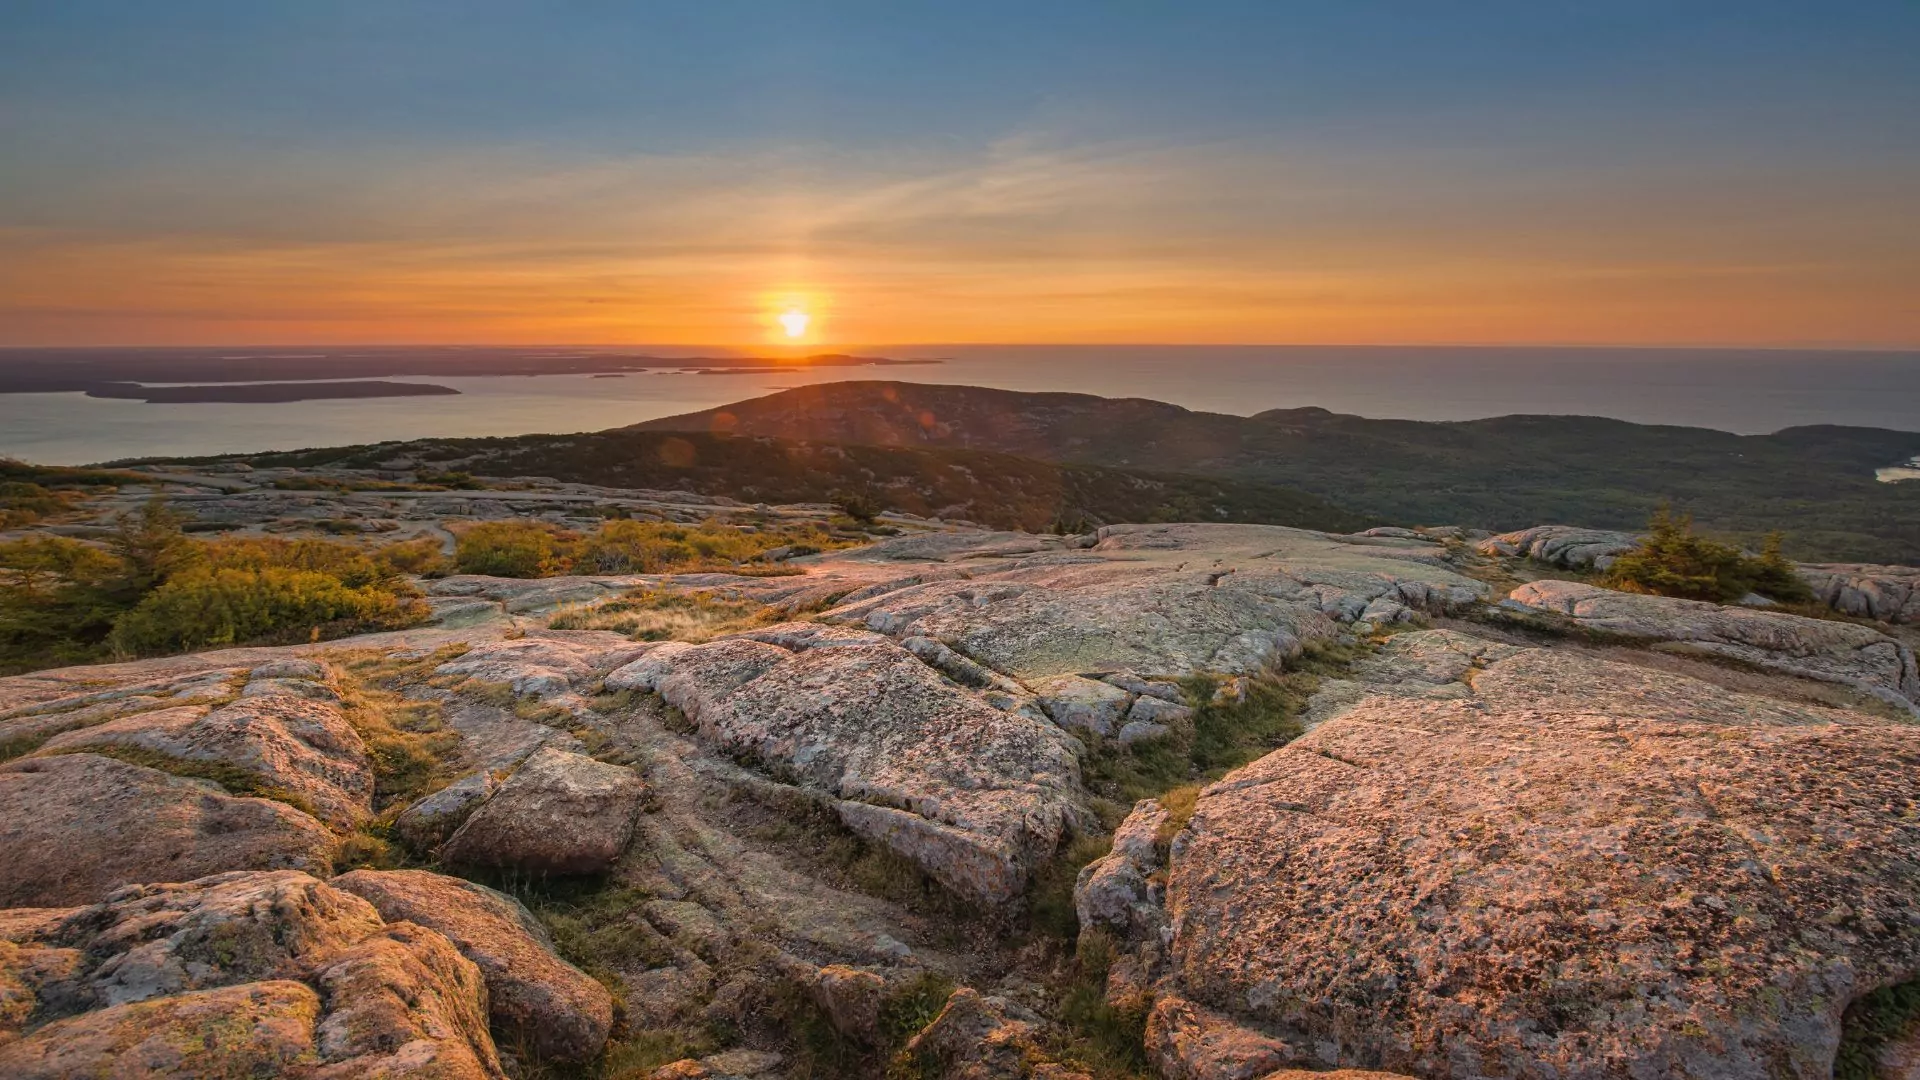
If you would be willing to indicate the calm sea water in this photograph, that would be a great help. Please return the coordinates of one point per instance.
(1747, 391)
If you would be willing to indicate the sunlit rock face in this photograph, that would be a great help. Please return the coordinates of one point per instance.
(1566, 867)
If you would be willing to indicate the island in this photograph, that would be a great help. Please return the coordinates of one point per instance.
(265, 393)
(58, 370)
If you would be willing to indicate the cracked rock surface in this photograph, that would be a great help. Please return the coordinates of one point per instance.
(1823, 649)
(1574, 868)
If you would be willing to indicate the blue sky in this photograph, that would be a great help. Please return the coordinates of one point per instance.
(1684, 172)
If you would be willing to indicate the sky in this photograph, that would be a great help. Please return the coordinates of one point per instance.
(1688, 172)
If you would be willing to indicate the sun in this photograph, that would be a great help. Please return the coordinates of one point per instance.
(794, 322)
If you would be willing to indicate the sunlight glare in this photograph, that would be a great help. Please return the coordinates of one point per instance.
(795, 321)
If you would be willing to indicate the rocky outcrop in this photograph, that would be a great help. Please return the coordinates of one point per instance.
(975, 795)
(559, 813)
(1167, 599)
(1572, 868)
(1565, 546)
(404, 1003)
(249, 974)
(1087, 704)
(548, 1003)
(982, 1038)
(259, 1029)
(286, 731)
(74, 826)
(550, 665)
(1433, 664)
(1823, 649)
(1887, 593)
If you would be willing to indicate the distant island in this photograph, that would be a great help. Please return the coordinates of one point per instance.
(43, 371)
(265, 393)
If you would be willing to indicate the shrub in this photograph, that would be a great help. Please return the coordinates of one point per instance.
(58, 601)
(1674, 561)
(421, 556)
(227, 605)
(515, 549)
(858, 505)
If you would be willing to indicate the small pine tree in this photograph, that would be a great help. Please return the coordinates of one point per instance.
(1672, 560)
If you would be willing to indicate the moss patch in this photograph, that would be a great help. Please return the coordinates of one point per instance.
(1871, 1023)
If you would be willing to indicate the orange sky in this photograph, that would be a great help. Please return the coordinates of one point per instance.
(1334, 173)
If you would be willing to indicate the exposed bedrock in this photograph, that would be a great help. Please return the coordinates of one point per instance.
(976, 795)
(1888, 593)
(1567, 868)
(1165, 599)
(1566, 546)
(1822, 649)
(241, 974)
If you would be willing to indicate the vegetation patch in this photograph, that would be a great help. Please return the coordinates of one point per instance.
(30, 493)
(822, 1052)
(1105, 1040)
(528, 549)
(658, 615)
(151, 590)
(1870, 1024)
(1672, 560)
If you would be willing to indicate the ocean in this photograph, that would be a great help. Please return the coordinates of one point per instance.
(1748, 391)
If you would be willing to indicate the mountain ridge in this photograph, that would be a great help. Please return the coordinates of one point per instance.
(1816, 482)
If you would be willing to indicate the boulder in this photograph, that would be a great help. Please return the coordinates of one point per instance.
(1576, 868)
(1824, 649)
(559, 813)
(975, 795)
(1565, 546)
(1076, 702)
(149, 941)
(427, 823)
(554, 1007)
(852, 1000)
(135, 824)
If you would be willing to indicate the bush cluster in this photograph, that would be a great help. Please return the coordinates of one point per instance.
(151, 590)
(528, 549)
(1675, 561)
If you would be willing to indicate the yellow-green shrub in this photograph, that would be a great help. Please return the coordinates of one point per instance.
(516, 549)
(230, 605)
(421, 555)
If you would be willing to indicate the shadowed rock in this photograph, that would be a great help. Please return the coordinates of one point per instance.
(558, 1010)
(559, 813)
(74, 826)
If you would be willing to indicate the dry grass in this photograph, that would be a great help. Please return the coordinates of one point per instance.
(657, 615)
